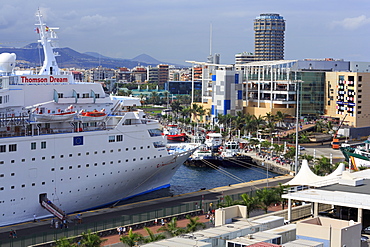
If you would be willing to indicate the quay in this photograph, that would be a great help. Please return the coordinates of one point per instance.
(27, 232)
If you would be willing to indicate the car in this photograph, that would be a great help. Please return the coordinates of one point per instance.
(366, 230)
(302, 148)
(364, 238)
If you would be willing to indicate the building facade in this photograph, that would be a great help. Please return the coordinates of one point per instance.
(269, 32)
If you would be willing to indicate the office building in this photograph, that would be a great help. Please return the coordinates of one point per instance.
(269, 37)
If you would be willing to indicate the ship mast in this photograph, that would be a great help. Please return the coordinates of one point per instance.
(48, 40)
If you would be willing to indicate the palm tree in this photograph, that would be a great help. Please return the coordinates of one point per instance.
(266, 198)
(252, 202)
(131, 239)
(279, 117)
(172, 228)
(64, 242)
(91, 239)
(194, 224)
(152, 237)
(176, 107)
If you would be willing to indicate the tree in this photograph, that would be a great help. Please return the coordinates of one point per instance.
(194, 224)
(131, 239)
(91, 239)
(266, 198)
(172, 228)
(64, 242)
(152, 237)
(251, 202)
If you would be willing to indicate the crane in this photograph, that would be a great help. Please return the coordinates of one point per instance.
(335, 143)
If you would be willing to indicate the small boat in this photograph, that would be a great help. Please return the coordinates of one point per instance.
(203, 156)
(213, 140)
(173, 133)
(54, 117)
(231, 155)
(92, 116)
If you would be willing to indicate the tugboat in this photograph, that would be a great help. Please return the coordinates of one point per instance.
(173, 133)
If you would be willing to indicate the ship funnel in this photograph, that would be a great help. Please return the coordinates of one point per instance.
(7, 63)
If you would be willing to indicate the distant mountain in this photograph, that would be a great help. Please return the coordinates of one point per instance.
(32, 56)
(144, 58)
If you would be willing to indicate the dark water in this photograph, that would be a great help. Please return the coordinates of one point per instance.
(189, 179)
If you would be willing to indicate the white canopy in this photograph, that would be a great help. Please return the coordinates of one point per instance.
(306, 177)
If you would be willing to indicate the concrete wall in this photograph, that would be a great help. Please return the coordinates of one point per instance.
(225, 215)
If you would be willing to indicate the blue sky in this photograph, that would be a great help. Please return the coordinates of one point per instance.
(178, 30)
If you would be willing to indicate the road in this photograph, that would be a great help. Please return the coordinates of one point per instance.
(317, 150)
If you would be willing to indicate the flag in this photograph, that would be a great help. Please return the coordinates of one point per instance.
(46, 28)
(37, 30)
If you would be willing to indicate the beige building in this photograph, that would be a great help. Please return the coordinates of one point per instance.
(331, 232)
(348, 94)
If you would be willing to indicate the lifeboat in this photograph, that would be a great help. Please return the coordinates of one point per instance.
(92, 116)
(54, 117)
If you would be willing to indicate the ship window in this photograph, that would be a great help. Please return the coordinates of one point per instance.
(70, 155)
(155, 132)
(43, 158)
(1, 188)
(112, 139)
(111, 162)
(70, 167)
(1, 175)
(12, 147)
(43, 183)
(119, 150)
(61, 168)
(2, 148)
(23, 160)
(141, 147)
(134, 148)
(119, 138)
(87, 153)
(23, 185)
(12, 161)
(12, 174)
(43, 145)
(52, 157)
(61, 156)
(33, 184)
(95, 164)
(126, 160)
(126, 149)
(87, 165)
(12, 187)
(52, 169)
(96, 152)
(103, 163)
(119, 161)
(33, 145)
(79, 166)
(1, 162)
(33, 159)
(148, 146)
(79, 154)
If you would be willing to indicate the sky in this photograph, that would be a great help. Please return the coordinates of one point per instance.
(174, 31)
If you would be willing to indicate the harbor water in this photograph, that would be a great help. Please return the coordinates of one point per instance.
(189, 179)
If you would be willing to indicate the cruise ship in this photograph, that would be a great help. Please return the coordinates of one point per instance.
(67, 146)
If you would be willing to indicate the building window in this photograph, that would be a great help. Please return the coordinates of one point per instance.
(112, 139)
(12, 147)
(119, 138)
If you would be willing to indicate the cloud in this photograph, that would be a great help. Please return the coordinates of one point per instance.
(89, 23)
(352, 23)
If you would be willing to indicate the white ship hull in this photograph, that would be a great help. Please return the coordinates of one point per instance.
(75, 165)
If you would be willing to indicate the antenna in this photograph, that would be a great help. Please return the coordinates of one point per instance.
(210, 57)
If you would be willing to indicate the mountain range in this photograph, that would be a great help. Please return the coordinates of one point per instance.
(32, 56)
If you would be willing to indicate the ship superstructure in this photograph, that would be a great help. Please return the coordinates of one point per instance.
(68, 144)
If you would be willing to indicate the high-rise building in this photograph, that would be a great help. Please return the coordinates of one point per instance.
(269, 37)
